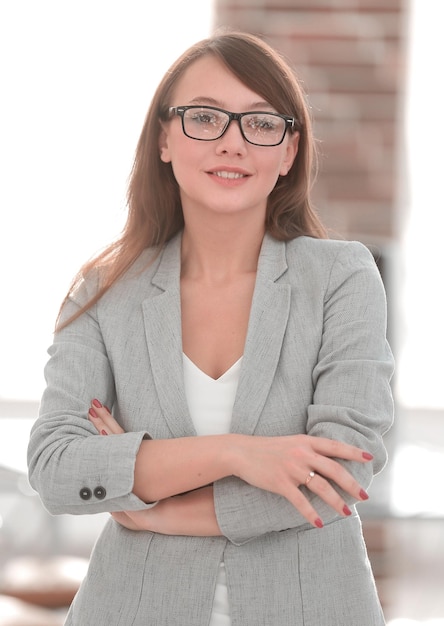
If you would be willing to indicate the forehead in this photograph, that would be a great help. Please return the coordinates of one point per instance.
(208, 81)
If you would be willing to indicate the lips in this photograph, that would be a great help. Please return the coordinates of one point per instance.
(230, 175)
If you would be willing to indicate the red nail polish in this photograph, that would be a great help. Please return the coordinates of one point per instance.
(363, 494)
(97, 403)
(318, 522)
(92, 412)
(103, 432)
(346, 510)
(367, 456)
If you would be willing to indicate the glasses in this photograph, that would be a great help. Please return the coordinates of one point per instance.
(210, 123)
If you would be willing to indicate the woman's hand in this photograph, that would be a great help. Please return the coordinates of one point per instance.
(133, 520)
(102, 419)
(188, 514)
(283, 464)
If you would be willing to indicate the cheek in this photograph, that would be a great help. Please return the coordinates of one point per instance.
(181, 150)
(273, 169)
(173, 144)
(184, 165)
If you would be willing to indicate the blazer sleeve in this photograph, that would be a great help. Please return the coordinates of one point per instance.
(352, 399)
(74, 469)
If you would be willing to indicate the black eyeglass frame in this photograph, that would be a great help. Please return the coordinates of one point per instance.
(290, 122)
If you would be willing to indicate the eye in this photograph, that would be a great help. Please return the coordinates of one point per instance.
(262, 123)
(205, 117)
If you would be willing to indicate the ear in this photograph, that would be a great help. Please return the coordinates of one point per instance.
(163, 144)
(290, 153)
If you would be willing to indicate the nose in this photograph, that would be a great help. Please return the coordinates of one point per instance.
(232, 140)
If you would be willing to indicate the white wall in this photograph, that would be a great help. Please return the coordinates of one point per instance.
(76, 81)
(420, 374)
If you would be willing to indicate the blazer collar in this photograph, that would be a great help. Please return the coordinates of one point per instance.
(163, 330)
(272, 262)
(266, 329)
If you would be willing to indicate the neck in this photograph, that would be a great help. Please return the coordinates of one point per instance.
(219, 254)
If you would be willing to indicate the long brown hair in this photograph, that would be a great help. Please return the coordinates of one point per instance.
(154, 207)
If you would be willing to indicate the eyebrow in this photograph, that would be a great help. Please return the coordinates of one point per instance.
(255, 106)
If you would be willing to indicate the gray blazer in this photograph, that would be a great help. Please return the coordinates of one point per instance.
(316, 361)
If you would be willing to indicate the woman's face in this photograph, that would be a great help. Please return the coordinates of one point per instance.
(227, 175)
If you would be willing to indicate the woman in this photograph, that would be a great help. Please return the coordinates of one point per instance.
(244, 359)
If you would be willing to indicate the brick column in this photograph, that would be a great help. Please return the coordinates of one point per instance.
(349, 54)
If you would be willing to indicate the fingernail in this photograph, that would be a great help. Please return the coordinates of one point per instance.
(346, 510)
(363, 494)
(103, 432)
(92, 412)
(367, 456)
(318, 522)
(97, 403)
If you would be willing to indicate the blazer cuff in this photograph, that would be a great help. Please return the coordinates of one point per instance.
(245, 512)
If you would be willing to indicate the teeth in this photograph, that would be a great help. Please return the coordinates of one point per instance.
(229, 174)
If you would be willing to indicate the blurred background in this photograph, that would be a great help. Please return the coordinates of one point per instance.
(77, 78)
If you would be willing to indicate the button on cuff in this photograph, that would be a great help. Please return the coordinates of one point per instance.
(100, 493)
(85, 493)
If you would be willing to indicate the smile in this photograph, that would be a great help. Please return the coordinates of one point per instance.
(232, 175)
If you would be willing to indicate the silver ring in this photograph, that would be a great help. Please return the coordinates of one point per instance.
(309, 477)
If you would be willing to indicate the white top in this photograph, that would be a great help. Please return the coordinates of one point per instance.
(210, 402)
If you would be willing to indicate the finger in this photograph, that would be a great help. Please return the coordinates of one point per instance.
(124, 520)
(96, 421)
(334, 471)
(339, 449)
(136, 520)
(323, 489)
(103, 420)
(300, 502)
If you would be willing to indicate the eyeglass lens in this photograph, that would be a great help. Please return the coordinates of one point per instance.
(258, 128)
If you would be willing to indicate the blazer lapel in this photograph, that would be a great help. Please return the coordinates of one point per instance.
(266, 329)
(163, 331)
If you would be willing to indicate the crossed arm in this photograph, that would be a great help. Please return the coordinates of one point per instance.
(178, 473)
